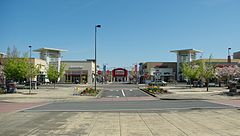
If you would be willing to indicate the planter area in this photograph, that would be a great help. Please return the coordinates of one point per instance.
(152, 90)
(89, 91)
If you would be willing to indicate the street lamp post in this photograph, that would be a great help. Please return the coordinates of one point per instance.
(95, 73)
(229, 56)
(30, 78)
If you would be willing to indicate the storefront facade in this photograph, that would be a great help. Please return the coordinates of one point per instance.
(119, 75)
(152, 71)
(78, 72)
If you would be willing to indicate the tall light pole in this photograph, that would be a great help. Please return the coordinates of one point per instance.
(95, 73)
(30, 78)
(229, 56)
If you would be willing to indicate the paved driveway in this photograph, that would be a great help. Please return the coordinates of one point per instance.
(123, 92)
(116, 93)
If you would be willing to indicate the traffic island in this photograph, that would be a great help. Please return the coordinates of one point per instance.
(89, 91)
(154, 90)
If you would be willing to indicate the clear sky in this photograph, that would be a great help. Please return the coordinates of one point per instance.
(132, 30)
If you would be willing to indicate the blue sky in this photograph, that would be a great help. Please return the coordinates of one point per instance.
(132, 30)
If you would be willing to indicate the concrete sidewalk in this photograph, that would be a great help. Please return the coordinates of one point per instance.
(186, 123)
(185, 93)
(217, 122)
(47, 94)
(65, 93)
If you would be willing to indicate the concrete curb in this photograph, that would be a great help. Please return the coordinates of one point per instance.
(181, 98)
(169, 98)
(148, 92)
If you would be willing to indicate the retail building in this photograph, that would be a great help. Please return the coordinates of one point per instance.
(78, 71)
(151, 71)
(184, 55)
(236, 55)
(119, 75)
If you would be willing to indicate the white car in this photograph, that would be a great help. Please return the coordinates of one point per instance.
(158, 83)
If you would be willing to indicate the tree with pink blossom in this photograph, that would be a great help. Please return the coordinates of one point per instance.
(226, 73)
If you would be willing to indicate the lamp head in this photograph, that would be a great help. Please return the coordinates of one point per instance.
(99, 26)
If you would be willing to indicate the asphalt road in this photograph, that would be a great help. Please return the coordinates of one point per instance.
(153, 105)
(125, 91)
(122, 90)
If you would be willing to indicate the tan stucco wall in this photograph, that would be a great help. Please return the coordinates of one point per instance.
(85, 65)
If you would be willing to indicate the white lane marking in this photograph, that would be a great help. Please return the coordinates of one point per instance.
(123, 93)
(117, 90)
(130, 90)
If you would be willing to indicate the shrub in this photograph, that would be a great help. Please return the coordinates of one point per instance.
(2, 91)
(90, 91)
(155, 90)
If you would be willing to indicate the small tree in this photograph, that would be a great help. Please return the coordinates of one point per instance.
(206, 71)
(17, 68)
(190, 71)
(53, 73)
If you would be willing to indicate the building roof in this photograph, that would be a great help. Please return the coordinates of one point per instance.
(161, 62)
(76, 61)
(119, 69)
(49, 49)
(222, 60)
(237, 52)
(187, 50)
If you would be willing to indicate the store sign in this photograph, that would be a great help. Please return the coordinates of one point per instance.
(75, 67)
(119, 72)
(99, 72)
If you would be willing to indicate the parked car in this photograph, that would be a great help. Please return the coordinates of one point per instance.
(235, 82)
(211, 84)
(34, 84)
(158, 83)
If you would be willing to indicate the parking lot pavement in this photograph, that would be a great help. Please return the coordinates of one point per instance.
(116, 93)
(224, 122)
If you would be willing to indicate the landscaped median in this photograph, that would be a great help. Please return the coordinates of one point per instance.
(88, 91)
(153, 90)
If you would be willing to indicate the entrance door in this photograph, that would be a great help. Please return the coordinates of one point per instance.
(75, 78)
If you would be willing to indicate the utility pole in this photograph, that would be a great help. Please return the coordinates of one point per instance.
(229, 56)
(95, 73)
(30, 78)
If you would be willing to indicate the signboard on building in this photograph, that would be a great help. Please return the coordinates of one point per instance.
(120, 72)
(99, 72)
